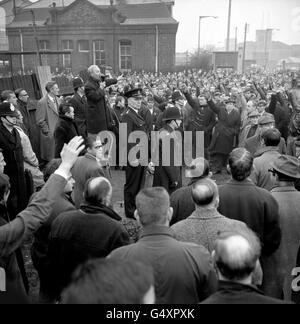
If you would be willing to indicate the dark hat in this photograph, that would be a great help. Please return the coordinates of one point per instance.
(7, 109)
(287, 165)
(77, 83)
(172, 113)
(266, 119)
(176, 95)
(136, 93)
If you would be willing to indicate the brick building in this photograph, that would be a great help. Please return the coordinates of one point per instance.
(140, 36)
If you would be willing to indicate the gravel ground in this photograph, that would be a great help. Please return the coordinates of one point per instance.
(118, 179)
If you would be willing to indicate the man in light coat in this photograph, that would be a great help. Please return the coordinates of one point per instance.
(47, 118)
(286, 169)
(260, 174)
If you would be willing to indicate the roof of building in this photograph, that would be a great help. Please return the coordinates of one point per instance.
(137, 14)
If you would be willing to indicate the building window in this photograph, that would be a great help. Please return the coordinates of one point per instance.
(98, 52)
(44, 46)
(67, 45)
(83, 46)
(125, 55)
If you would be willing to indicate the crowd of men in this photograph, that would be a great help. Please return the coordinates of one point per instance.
(200, 243)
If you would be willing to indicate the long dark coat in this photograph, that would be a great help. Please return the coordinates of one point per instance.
(226, 129)
(98, 115)
(80, 109)
(11, 145)
(200, 119)
(166, 176)
(65, 130)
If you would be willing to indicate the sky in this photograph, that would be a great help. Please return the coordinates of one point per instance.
(283, 15)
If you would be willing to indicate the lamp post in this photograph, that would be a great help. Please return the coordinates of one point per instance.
(202, 17)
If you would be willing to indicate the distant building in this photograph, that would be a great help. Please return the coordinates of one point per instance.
(183, 59)
(129, 35)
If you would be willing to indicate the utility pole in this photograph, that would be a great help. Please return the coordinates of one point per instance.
(244, 50)
(228, 26)
(36, 38)
(235, 44)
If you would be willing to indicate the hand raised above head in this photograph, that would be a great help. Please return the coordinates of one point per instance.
(71, 151)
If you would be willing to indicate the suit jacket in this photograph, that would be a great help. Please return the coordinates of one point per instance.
(85, 167)
(47, 118)
(183, 272)
(230, 293)
(13, 234)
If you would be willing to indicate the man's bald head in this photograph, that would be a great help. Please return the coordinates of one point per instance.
(236, 254)
(94, 72)
(205, 193)
(97, 191)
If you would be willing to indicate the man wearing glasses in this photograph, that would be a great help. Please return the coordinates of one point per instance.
(22, 101)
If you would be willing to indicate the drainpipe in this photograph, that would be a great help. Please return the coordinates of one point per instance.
(156, 47)
(22, 49)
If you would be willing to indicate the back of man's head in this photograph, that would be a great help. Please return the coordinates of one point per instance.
(236, 254)
(50, 168)
(153, 206)
(97, 191)
(205, 193)
(111, 281)
(271, 137)
(240, 163)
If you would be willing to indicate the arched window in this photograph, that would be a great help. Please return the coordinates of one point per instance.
(125, 55)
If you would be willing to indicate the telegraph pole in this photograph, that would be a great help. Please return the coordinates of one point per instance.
(244, 50)
(36, 38)
(235, 44)
(228, 26)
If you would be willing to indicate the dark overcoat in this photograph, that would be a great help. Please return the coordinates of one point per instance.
(167, 175)
(65, 130)
(98, 115)
(11, 145)
(80, 109)
(226, 129)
